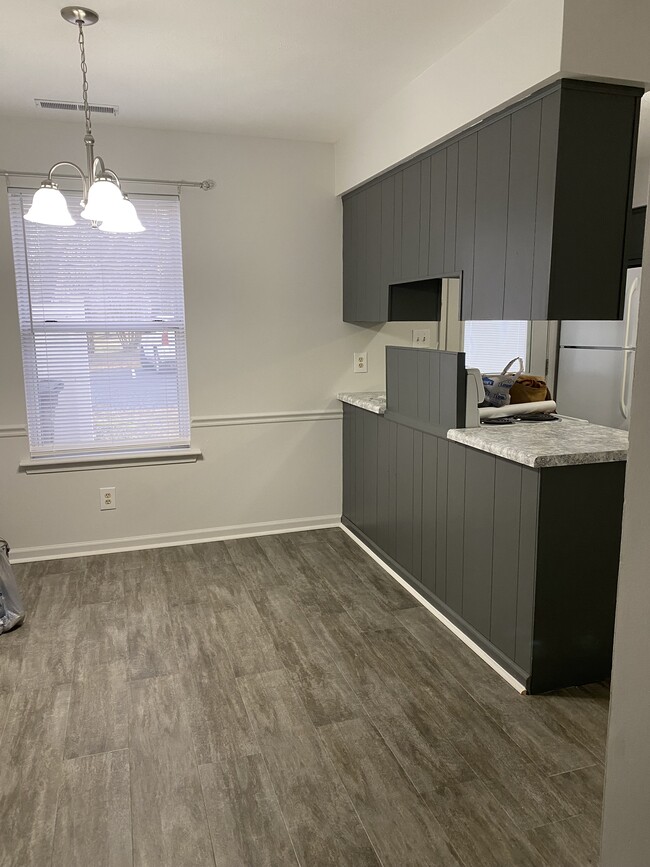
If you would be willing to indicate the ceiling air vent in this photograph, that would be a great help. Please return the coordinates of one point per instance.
(64, 105)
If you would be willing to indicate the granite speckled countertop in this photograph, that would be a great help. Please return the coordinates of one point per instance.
(373, 401)
(533, 444)
(547, 444)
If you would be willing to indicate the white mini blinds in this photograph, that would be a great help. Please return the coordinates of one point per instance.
(102, 326)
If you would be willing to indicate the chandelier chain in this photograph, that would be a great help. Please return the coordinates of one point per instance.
(84, 74)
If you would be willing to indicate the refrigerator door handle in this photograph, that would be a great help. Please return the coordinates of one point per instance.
(634, 288)
(624, 403)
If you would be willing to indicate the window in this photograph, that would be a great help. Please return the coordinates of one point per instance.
(103, 332)
(490, 345)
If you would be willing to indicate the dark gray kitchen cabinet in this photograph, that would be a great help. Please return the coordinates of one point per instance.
(466, 219)
(522, 211)
(491, 226)
(488, 542)
(436, 225)
(530, 208)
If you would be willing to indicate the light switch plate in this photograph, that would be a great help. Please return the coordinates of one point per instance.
(361, 362)
(422, 338)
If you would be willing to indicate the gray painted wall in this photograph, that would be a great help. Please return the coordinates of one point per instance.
(626, 820)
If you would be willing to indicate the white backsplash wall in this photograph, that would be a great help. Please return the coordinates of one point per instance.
(262, 266)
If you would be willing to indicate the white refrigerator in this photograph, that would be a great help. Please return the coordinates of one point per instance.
(596, 364)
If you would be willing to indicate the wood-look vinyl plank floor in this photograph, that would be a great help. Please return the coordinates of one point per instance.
(246, 823)
(101, 835)
(323, 823)
(276, 701)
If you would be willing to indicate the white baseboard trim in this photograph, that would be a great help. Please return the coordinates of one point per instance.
(520, 687)
(168, 540)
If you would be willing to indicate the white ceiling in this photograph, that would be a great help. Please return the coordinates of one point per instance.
(289, 68)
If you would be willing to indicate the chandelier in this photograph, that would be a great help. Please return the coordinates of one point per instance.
(103, 202)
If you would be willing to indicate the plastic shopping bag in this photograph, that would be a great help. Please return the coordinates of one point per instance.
(12, 612)
(497, 385)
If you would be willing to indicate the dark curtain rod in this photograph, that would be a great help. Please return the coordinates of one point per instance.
(203, 185)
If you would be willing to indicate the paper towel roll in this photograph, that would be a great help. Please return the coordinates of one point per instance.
(517, 409)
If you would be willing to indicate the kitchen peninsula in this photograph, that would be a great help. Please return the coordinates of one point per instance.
(511, 532)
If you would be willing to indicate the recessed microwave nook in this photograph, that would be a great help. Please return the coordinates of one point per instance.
(415, 300)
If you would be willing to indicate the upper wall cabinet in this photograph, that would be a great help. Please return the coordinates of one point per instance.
(529, 208)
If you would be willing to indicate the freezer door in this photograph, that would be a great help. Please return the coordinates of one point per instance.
(607, 332)
(592, 384)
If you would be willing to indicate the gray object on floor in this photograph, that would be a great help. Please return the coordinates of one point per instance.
(12, 612)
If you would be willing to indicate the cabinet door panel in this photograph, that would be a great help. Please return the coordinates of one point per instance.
(466, 220)
(425, 216)
(522, 206)
(397, 225)
(451, 197)
(416, 561)
(369, 299)
(358, 468)
(491, 220)
(548, 143)
(352, 252)
(411, 195)
(387, 240)
(437, 222)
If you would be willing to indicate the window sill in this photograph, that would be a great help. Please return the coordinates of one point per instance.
(61, 464)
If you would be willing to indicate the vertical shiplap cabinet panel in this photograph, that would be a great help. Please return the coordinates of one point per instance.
(416, 567)
(545, 203)
(466, 219)
(387, 251)
(370, 445)
(426, 389)
(429, 510)
(455, 525)
(392, 489)
(451, 196)
(437, 221)
(505, 556)
(358, 468)
(493, 165)
(349, 484)
(411, 194)
(398, 193)
(351, 256)
(383, 483)
(408, 383)
(442, 493)
(404, 498)
(369, 301)
(477, 539)
(522, 205)
(528, 522)
(425, 216)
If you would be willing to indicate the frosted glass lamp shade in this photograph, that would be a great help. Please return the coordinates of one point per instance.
(123, 219)
(49, 207)
(103, 197)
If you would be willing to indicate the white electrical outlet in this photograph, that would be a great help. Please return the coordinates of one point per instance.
(422, 338)
(106, 498)
(361, 362)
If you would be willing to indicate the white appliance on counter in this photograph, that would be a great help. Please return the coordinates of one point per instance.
(596, 364)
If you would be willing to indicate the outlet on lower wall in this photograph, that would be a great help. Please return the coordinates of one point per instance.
(107, 498)
(361, 362)
(422, 338)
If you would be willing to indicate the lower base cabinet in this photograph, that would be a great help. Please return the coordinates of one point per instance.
(524, 561)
